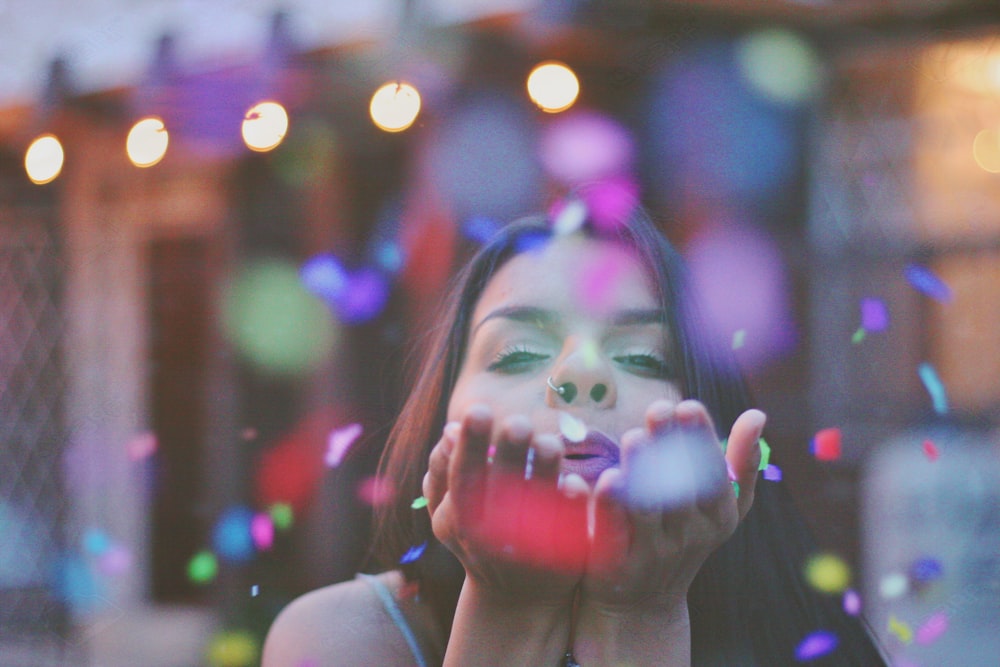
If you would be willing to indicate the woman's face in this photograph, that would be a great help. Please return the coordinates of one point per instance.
(580, 311)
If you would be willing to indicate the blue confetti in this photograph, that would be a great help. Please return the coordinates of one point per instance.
(924, 280)
(413, 553)
(816, 645)
(934, 387)
(926, 569)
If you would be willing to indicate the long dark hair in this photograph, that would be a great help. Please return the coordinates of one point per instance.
(748, 604)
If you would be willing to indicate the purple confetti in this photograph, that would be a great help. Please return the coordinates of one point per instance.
(339, 442)
(772, 473)
(852, 602)
(926, 569)
(924, 280)
(413, 553)
(874, 314)
(816, 645)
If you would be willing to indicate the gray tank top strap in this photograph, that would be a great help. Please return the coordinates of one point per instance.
(396, 614)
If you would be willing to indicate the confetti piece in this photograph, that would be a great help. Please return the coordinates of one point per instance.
(248, 434)
(827, 573)
(571, 427)
(900, 630)
(816, 645)
(262, 531)
(233, 648)
(772, 473)
(874, 315)
(116, 560)
(202, 567)
(893, 585)
(931, 451)
(480, 229)
(141, 446)
(826, 445)
(765, 455)
(340, 442)
(926, 281)
(858, 336)
(376, 491)
(570, 218)
(932, 628)
(413, 553)
(282, 515)
(739, 338)
(96, 542)
(231, 535)
(934, 387)
(852, 602)
(926, 569)
(419, 503)
(736, 488)
(254, 590)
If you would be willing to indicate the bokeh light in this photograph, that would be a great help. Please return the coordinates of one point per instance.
(986, 150)
(43, 161)
(274, 321)
(780, 65)
(147, 142)
(584, 146)
(264, 126)
(232, 536)
(827, 573)
(395, 106)
(233, 648)
(738, 276)
(553, 86)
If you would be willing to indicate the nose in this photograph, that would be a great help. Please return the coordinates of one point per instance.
(580, 378)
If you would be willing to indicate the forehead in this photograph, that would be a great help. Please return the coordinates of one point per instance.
(571, 273)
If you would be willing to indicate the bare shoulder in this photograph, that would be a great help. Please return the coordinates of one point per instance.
(337, 626)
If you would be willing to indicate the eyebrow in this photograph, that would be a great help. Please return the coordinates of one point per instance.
(544, 318)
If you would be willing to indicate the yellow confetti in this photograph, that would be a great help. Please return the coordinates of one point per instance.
(900, 629)
(827, 573)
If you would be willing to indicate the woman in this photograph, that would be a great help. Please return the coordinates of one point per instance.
(579, 505)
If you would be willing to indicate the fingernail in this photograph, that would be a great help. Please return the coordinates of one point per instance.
(452, 431)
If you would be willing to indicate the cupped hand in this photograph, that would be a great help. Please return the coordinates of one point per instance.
(495, 500)
(670, 505)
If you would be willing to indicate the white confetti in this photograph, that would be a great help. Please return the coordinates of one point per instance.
(339, 442)
(572, 428)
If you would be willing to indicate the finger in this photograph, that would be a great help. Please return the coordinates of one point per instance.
(694, 415)
(743, 455)
(467, 467)
(512, 445)
(435, 481)
(549, 451)
(611, 529)
(659, 415)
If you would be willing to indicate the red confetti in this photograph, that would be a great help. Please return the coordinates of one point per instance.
(825, 445)
(931, 451)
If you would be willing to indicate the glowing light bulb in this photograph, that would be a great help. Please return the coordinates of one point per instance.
(264, 126)
(395, 106)
(44, 159)
(553, 87)
(147, 142)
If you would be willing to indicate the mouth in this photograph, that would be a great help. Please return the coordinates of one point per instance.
(591, 456)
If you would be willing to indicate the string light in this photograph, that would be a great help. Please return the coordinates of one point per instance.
(553, 86)
(43, 161)
(147, 142)
(394, 106)
(264, 126)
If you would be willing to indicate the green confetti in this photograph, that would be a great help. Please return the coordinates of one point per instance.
(724, 443)
(765, 454)
(858, 336)
(419, 503)
(736, 489)
(281, 515)
(203, 567)
(739, 338)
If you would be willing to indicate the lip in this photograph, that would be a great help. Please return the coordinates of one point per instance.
(591, 456)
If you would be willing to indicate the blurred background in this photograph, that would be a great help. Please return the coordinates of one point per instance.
(224, 225)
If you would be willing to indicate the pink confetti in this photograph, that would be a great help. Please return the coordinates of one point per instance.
(340, 442)
(931, 451)
(141, 446)
(262, 531)
(376, 491)
(116, 560)
(852, 602)
(932, 628)
(874, 314)
(826, 444)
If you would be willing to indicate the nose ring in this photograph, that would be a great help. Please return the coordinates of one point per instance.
(567, 390)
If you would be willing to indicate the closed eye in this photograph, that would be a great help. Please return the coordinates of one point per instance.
(515, 359)
(646, 365)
